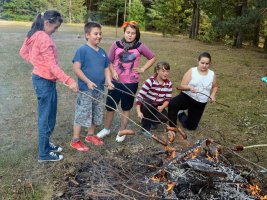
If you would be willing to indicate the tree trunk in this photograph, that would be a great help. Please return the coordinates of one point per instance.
(195, 20)
(256, 34)
(265, 44)
(238, 36)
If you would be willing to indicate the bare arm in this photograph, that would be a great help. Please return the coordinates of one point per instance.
(113, 72)
(138, 111)
(77, 70)
(164, 105)
(147, 65)
(185, 81)
(214, 89)
(108, 78)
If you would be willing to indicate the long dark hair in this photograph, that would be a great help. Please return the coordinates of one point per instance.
(52, 16)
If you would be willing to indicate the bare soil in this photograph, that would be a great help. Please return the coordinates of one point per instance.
(21, 177)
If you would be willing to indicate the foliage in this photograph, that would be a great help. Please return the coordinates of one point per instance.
(166, 15)
(108, 10)
(26, 10)
(208, 20)
(137, 12)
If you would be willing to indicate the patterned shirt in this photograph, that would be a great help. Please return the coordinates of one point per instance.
(124, 62)
(155, 92)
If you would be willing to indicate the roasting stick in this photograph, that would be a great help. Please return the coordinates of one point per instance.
(126, 132)
(233, 151)
(178, 129)
(143, 102)
(241, 148)
(180, 88)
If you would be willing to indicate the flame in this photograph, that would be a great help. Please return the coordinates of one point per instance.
(161, 177)
(255, 191)
(195, 153)
(170, 186)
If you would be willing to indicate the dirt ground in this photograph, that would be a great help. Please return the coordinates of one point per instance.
(239, 72)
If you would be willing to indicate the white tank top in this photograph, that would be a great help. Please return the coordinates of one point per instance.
(203, 84)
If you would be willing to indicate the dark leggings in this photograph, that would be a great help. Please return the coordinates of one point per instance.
(184, 102)
(150, 111)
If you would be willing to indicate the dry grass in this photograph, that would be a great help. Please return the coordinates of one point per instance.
(238, 70)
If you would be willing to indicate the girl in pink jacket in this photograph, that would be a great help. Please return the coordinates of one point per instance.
(40, 50)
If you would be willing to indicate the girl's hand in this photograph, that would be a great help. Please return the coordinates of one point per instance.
(160, 108)
(115, 75)
(74, 87)
(91, 85)
(139, 70)
(212, 98)
(140, 115)
(192, 89)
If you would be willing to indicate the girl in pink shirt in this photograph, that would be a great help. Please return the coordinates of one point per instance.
(125, 58)
(40, 50)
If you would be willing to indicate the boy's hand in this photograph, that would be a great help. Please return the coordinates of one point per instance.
(91, 85)
(74, 87)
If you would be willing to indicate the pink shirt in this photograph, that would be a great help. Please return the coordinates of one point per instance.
(124, 62)
(40, 50)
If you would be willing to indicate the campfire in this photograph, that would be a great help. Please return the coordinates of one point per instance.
(199, 171)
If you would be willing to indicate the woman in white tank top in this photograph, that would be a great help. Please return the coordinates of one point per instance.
(198, 86)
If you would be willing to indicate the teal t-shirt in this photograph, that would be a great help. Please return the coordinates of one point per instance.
(93, 64)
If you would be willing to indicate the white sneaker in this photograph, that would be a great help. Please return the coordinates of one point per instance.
(120, 138)
(180, 112)
(104, 132)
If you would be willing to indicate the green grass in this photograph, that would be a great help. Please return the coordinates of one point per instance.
(238, 71)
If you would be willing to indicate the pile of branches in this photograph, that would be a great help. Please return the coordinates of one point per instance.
(116, 175)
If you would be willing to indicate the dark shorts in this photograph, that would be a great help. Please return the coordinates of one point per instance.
(121, 94)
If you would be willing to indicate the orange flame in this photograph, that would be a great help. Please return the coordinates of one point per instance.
(255, 191)
(170, 186)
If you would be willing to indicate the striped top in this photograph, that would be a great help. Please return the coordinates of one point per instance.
(155, 92)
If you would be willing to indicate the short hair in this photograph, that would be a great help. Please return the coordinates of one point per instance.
(162, 65)
(204, 55)
(90, 25)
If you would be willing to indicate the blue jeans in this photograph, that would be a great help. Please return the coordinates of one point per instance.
(46, 93)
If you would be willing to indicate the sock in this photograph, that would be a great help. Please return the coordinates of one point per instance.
(75, 140)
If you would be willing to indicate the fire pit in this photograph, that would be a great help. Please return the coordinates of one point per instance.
(200, 171)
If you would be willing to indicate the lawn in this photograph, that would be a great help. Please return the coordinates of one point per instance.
(238, 71)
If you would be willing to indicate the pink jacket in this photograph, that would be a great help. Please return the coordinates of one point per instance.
(40, 50)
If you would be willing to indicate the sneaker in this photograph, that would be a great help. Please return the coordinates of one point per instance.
(79, 145)
(104, 132)
(182, 117)
(180, 112)
(94, 139)
(55, 148)
(120, 138)
(52, 157)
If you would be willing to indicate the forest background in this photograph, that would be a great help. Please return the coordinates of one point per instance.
(233, 22)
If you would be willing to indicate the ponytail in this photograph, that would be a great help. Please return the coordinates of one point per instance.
(37, 25)
(52, 16)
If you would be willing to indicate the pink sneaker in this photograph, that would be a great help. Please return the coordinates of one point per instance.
(80, 146)
(94, 139)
